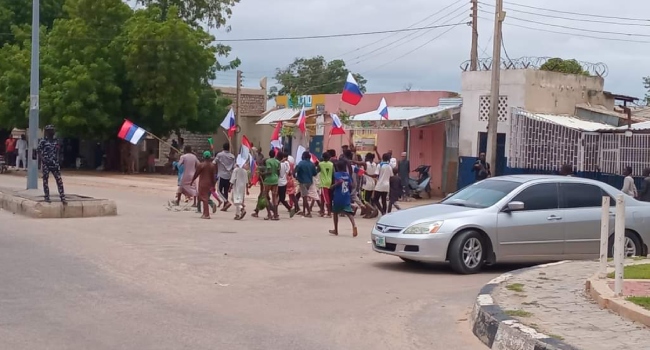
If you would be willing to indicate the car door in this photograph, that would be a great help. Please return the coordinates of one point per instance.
(535, 232)
(581, 211)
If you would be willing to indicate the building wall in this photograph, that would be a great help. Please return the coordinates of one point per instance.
(534, 90)
(428, 148)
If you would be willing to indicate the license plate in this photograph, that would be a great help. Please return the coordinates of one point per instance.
(380, 241)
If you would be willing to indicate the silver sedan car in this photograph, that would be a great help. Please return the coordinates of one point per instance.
(518, 218)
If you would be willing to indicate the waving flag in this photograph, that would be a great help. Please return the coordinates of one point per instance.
(254, 176)
(351, 91)
(228, 123)
(131, 132)
(314, 159)
(276, 138)
(383, 109)
(337, 126)
(301, 120)
(245, 149)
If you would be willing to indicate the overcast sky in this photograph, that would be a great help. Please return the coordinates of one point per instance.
(435, 64)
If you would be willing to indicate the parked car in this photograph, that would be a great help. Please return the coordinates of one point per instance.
(518, 218)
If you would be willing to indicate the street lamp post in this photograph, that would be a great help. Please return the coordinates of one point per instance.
(32, 164)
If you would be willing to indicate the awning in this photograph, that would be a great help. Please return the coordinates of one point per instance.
(277, 115)
(403, 117)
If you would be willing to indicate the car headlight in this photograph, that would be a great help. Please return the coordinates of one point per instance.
(423, 228)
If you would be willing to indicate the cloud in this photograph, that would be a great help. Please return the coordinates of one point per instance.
(434, 66)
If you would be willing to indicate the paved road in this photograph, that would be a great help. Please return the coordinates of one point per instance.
(155, 279)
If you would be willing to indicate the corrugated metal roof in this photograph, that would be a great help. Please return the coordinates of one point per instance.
(637, 126)
(451, 101)
(277, 115)
(573, 122)
(401, 113)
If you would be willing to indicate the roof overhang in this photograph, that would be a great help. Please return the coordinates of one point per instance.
(403, 117)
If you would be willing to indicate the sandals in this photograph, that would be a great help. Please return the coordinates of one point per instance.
(334, 233)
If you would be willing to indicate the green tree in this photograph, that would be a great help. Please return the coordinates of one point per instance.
(81, 91)
(19, 13)
(214, 13)
(311, 76)
(14, 85)
(168, 65)
(564, 66)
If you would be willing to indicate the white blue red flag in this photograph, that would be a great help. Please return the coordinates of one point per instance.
(276, 138)
(351, 92)
(383, 109)
(337, 126)
(244, 150)
(131, 132)
(301, 120)
(228, 123)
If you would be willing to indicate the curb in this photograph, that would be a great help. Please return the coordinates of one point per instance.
(499, 331)
(604, 296)
(16, 204)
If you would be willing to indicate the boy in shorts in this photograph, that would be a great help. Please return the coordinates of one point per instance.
(342, 199)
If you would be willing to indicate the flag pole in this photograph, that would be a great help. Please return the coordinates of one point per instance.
(163, 141)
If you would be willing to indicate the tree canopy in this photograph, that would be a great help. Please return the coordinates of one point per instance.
(102, 62)
(560, 65)
(311, 76)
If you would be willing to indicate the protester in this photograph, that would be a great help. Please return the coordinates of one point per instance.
(239, 182)
(271, 178)
(48, 150)
(481, 168)
(369, 179)
(305, 173)
(644, 194)
(205, 172)
(225, 162)
(404, 170)
(283, 182)
(259, 176)
(291, 185)
(189, 162)
(342, 199)
(395, 192)
(326, 175)
(383, 183)
(629, 187)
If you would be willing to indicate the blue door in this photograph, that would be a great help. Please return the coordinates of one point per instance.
(316, 145)
(501, 152)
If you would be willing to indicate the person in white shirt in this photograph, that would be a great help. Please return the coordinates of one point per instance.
(369, 180)
(21, 146)
(629, 188)
(383, 183)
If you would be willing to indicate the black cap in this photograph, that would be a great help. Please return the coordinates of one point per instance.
(49, 127)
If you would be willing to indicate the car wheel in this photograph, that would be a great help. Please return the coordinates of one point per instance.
(632, 245)
(410, 262)
(467, 252)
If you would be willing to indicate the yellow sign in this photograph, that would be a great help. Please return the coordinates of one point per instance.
(308, 101)
(365, 142)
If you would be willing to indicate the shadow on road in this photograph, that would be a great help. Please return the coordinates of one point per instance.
(444, 268)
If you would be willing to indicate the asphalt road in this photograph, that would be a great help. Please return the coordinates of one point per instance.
(155, 279)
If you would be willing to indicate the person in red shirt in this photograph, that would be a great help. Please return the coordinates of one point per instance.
(10, 151)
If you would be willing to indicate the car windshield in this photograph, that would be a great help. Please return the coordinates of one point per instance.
(481, 194)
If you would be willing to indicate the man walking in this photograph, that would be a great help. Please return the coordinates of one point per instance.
(644, 194)
(225, 162)
(404, 169)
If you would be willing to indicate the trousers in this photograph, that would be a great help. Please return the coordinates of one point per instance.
(21, 159)
(56, 172)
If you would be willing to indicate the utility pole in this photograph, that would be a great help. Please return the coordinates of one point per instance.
(32, 164)
(474, 53)
(493, 122)
(237, 108)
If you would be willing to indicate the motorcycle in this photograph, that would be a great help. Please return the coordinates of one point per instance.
(422, 183)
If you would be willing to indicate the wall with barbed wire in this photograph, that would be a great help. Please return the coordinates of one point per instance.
(597, 69)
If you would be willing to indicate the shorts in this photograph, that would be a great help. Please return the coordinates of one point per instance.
(304, 189)
(338, 209)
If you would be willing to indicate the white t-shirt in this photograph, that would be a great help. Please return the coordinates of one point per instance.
(369, 181)
(284, 169)
(21, 145)
(383, 182)
(393, 163)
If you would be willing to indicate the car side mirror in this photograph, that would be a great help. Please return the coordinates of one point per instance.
(515, 206)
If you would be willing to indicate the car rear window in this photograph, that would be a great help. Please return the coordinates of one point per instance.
(576, 195)
(542, 196)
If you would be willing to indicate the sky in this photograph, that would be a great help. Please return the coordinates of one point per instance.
(430, 59)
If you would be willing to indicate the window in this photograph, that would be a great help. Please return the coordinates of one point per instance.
(539, 197)
(581, 195)
(482, 194)
(484, 108)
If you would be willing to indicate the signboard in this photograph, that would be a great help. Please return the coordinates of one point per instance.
(365, 142)
(303, 101)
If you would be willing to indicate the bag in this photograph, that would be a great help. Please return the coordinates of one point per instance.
(261, 203)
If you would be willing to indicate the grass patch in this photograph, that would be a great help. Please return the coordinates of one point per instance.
(636, 272)
(518, 313)
(638, 258)
(515, 287)
(644, 302)
(555, 336)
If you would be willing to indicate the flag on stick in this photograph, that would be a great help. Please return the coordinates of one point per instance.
(131, 132)
(337, 126)
(351, 92)
(228, 123)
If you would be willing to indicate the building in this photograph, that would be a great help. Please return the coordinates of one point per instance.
(533, 90)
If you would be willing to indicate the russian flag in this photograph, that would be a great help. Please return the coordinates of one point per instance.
(314, 159)
(383, 109)
(131, 132)
(245, 149)
(254, 177)
(228, 123)
(301, 120)
(351, 92)
(276, 138)
(337, 126)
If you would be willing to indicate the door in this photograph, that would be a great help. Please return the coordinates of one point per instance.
(581, 209)
(537, 231)
(500, 167)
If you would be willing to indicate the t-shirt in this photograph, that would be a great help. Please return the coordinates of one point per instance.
(10, 145)
(305, 172)
(21, 145)
(383, 182)
(369, 181)
(326, 171)
(342, 196)
(225, 162)
(272, 175)
(284, 170)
